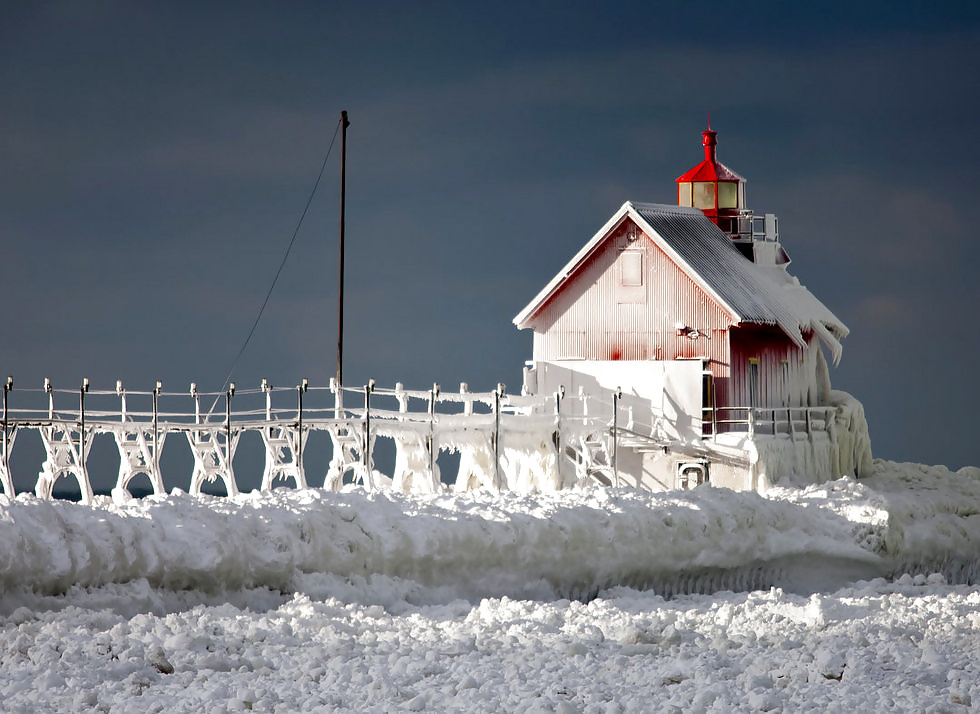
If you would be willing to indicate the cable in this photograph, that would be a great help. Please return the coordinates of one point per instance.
(285, 257)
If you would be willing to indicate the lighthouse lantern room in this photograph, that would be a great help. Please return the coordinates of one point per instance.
(720, 194)
(712, 187)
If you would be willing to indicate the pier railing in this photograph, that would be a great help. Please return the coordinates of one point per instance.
(504, 441)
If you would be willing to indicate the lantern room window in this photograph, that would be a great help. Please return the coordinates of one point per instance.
(727, 194)
(684, 194)
(704, 194)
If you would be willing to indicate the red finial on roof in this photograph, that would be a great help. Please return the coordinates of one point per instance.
(709, 141)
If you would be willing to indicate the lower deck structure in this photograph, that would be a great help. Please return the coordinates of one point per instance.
(669, 433)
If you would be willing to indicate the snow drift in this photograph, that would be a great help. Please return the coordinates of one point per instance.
(569, 543)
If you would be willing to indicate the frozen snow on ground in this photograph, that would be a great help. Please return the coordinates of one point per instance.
(476, 602)
(909, 645)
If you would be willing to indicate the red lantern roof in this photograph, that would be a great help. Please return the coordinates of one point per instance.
(710, 169)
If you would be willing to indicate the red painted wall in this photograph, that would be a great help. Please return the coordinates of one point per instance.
(786, 374)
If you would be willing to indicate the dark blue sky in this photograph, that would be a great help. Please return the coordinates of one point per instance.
(156, 157)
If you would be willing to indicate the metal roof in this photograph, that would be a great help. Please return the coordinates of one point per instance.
(710, 170)
(759, 295)
(751, 293)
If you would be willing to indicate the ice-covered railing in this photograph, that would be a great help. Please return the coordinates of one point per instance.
(773, 421)
(747, 226)
(504, 441)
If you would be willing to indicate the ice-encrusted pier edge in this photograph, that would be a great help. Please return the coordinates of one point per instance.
(505, 441)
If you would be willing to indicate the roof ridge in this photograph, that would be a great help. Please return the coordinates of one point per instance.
(666, 208)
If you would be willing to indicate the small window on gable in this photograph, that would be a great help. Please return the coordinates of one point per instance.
(631, 269)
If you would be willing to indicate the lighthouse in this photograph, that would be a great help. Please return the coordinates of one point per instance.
(719, 193)
(684, 321)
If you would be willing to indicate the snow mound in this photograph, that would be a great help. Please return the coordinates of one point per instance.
(568, 543)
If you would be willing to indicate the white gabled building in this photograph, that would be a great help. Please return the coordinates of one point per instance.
(719, 352)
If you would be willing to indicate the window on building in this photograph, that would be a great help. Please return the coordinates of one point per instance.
(631, 269)
(754, 400)
(704, 194)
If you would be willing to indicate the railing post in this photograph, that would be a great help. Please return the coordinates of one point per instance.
(50, 392)
(197, 402)
(558, 397)
(401, 398)
(121, 393)
(156, 415)
(300, 390)
(714, 410)
(617, 395)
(5, 470)
(496, 432)
(751, 412)
(365, 454)
(228, 395)
(338, 399)
(433, 394)
(81, 427)
(268, 399)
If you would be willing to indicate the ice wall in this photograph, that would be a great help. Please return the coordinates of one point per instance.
(843, 449)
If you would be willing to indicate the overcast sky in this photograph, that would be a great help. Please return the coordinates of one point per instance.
(157, 156)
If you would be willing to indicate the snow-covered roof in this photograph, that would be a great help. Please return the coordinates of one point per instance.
(750, 293)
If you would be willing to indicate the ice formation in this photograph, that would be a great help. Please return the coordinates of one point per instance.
(305, 600)
(562, 543)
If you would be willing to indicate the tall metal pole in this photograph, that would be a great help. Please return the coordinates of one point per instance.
(343, 200)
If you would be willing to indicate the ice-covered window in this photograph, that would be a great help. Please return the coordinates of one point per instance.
(631, 269)
(684, 194)
(704, 194)
(727, 194)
